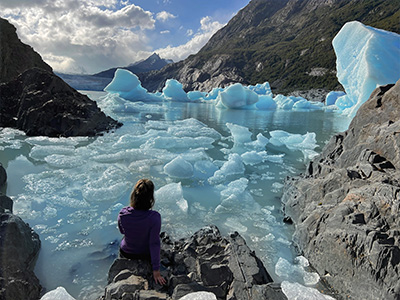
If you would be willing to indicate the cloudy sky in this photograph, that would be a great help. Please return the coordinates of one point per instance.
(76, 36)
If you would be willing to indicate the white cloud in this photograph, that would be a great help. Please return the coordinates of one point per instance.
(72, 34)
(165, 32)
(207, 29)
(164, 16)
(189, 32)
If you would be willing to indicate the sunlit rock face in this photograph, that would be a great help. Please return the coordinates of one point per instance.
(346, 206)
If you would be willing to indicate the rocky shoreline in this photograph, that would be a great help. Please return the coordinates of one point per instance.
(206, 261)
(346, 206)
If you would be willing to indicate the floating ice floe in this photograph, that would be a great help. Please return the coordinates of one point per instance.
(296, 291)
(366, 58)
(286, 270)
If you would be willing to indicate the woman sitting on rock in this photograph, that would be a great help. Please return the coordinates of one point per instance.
(141, 228)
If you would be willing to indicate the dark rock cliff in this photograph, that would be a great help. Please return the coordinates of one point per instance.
(15, 56)
(40, 103)
(35, 100)
(19, 247)
(346, 207)
(285, 42)
(206, 261)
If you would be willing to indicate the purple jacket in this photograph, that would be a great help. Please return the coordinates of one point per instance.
(141, 230)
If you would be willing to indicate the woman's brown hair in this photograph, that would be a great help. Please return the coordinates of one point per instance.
(142, 196)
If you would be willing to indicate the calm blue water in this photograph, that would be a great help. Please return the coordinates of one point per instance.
(70, 190)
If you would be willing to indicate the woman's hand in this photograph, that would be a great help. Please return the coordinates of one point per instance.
(158, 278)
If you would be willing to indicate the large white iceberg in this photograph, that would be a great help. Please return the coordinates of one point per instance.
(366, 58)
(237, 96)
(129, 87)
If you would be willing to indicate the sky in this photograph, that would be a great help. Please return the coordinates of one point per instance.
(86, 37)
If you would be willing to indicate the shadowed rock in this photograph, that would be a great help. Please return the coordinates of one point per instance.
(40, 103)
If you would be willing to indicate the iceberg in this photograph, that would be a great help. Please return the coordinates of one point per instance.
(173, 90)
(366, 57)
(236, 96)
(179, 168)
(128, 86)
(331, 98)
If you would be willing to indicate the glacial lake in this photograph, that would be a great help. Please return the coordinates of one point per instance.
(70, 190)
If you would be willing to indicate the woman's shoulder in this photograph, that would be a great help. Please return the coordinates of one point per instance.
(126, 210)
(154, 214)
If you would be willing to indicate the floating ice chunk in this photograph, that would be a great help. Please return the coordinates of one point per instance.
(180, 143)
(59, 293)
(240, 134)
(128, 86)
(331, 98)
(253, 157)
(233, 166)
(288, 271)
(261, 88)
(304, 104)
(63, 161)
(196, 95)
(204, 169)
(293, 141)
(235, 224)
(366, 57)
(170, 197)
(111, 184)
(192, 128)
(199, 296)
(296, 291)
(179, 168)
(266, 102)
(40, 152)
(237, 96)
(173, 90)
(344, 102)
(284, 102)
(259, 143)
(213, 94)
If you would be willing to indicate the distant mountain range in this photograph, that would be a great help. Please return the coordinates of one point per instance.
(100, 80)
(285, 42)
(153, 62)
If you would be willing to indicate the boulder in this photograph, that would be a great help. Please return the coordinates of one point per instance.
(40, 103)
(346, 205)
(206, 261)
(19, 247)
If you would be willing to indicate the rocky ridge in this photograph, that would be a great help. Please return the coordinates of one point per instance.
(40, 103)
(206, 261)
(19, 247)
(15, 56)
(285, 42)
(346, 205)
(35, 100)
